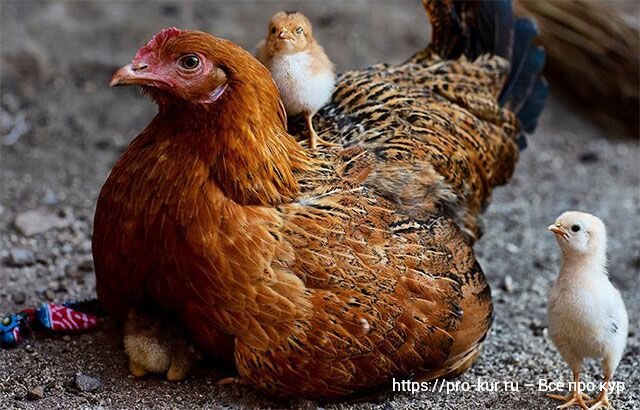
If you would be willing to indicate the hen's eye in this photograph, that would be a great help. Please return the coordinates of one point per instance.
(575, 228)
(189, 62)
(299, 30)
(273, 30)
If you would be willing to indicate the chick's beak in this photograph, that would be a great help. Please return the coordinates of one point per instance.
(558, 230)
(136, 73)
(283, 35)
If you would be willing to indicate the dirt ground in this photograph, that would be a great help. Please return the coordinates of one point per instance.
(63, 128)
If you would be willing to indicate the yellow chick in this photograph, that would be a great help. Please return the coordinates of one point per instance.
(300, 68)
(154, 346)
(587, 316)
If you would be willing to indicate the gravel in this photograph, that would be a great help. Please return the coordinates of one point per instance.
(67, 128)
(36, 393)
(34, 222)
(19, 257)
(86, 383)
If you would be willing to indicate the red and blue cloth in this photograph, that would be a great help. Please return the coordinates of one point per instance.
(67, 317)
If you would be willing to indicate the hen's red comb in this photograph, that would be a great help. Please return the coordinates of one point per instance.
(158, 39)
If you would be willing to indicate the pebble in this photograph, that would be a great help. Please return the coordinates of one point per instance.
(36, 393)
(74, 274)
(538, 264)
(66, 338)
(538, 330)
(21, 257)
(86, 265)
(50, 198)
(50, 295)
(303, 404)
(30, 223)
(43, 258)
(19, 298)
(103, 144)
(511, 248)
(507, 284)
(588, 157)
(87, 383)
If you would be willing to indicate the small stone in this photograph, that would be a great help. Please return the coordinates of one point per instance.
(102, 144)
(169, 10)
(538, 330)
(50, 295)
(303, 404)
(507, 284)
(43, 258)
(37, 393)
(19, 298)
(86, 265)
(589, 157)
(74, 274)
(34, 222)
(86, 383)
(50, 198)
(511, 248)
(538, 264)
(21, 257)
(480, 371)
(66, 338)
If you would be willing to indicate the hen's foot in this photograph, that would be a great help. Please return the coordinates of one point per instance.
(155, 345)
(572, 399)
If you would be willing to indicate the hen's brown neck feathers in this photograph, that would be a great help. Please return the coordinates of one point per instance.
(242, 135)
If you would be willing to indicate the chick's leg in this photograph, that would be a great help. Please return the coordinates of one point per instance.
(602, 401)
(314, 139)
(575, 398)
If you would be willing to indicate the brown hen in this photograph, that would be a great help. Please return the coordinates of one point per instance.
(318, 274)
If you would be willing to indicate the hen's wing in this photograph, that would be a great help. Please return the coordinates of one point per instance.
(390, 295)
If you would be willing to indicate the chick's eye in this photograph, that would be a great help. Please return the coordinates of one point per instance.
(273, 30)
(299, 30)
(189, 62)
(575, 228)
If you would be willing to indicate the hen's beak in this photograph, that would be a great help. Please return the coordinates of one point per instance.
(558, 230)
(133, 74)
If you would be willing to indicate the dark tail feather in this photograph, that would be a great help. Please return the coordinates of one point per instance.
(492, 29)
(526, 91)
(477, 27)
(470, 27)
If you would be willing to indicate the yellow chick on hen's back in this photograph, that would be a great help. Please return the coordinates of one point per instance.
(300, 68)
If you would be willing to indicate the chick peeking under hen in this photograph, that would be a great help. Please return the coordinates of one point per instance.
(325, 275)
